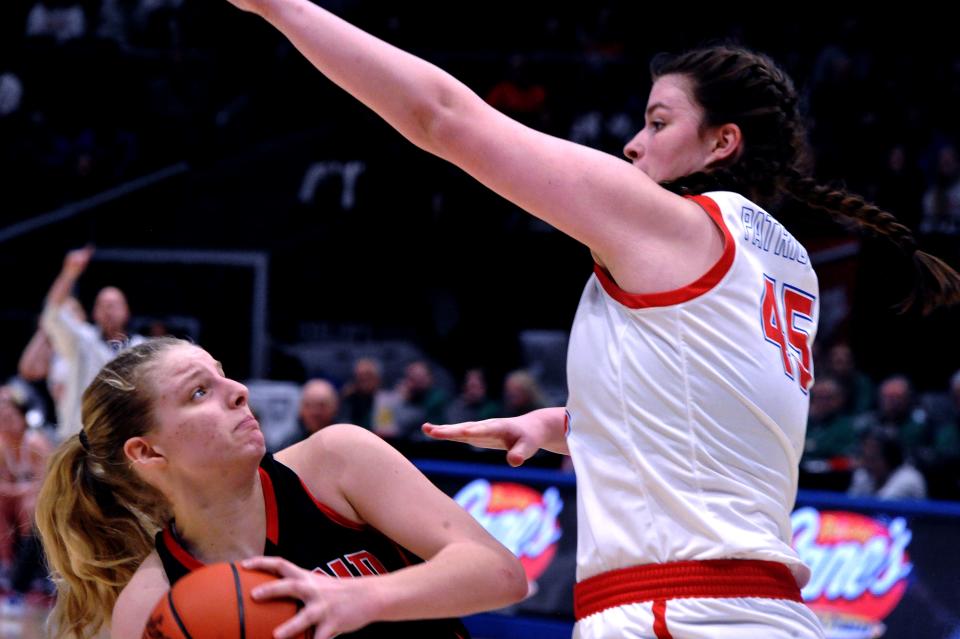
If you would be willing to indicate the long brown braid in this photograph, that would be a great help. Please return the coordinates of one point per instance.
(736, 85)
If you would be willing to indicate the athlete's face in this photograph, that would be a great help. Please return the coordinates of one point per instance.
(202, 418)
(672, 142)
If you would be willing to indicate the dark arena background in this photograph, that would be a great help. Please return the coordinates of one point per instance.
(238, 198)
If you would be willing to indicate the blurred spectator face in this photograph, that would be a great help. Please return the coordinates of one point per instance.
(826, 398)
(158, 329)
(873, 461)
(947, 163)
(110, 311)
(318, 405)
(841, 359)
(366, 376)
(897, 159)
(517, 390)
(895, 398)
(12, 421)
(418, 377)
(474, 387)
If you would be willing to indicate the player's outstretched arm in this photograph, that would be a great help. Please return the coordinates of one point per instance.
(594, 197)
(520, 436)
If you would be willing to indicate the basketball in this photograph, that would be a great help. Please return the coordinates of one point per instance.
(214, 602)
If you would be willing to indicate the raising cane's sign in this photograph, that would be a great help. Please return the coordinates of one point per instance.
(521, 518)
(859, 569)
(860, 565)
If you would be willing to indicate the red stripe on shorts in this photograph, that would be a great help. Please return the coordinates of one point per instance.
(660, 620)
(713, 579)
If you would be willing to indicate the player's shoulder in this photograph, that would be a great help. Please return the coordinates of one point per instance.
(332, 439)
(331, 452)
(138, 597)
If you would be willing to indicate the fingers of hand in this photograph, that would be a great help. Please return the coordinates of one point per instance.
(521, 451)
(297, 624)
(275, 565)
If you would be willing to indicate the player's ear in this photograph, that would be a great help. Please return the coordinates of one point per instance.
(726, 142)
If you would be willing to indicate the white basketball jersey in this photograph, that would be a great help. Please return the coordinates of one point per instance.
(688, 408)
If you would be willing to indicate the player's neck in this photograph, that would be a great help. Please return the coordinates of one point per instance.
(222, 524)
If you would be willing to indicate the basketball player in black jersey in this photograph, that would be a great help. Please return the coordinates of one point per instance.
(355, 532)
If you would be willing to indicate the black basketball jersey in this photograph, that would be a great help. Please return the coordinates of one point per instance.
(313, 536)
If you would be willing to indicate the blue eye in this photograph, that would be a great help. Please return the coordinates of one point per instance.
(198, 393)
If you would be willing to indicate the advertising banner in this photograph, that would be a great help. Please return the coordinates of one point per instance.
(879, 569)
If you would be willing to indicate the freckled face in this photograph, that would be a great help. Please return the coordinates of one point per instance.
(202, 417)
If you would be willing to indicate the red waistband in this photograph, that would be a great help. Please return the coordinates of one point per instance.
(712, 579)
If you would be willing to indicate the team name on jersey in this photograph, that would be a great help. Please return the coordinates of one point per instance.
(356, 564)
(766, 234)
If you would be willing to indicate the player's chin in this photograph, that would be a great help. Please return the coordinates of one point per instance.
(253, 440)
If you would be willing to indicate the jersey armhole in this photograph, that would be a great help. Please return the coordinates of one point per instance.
(700, 286)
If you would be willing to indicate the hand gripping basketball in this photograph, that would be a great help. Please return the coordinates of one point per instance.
(214, 602)
(331, 606)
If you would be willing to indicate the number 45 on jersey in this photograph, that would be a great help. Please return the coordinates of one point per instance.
(779, 318)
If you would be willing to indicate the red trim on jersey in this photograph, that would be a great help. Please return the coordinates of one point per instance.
(270, 507)
(660, 620)
(179, 552)
(668, 298)
(718, 578)
(331, 514)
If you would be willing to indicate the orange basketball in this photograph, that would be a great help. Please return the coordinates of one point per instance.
(214, 602)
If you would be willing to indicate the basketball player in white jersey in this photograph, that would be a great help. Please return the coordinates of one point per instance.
(689, 362)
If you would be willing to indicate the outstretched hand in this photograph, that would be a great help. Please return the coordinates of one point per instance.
(76, 261)
(515, 435)
(331, 606)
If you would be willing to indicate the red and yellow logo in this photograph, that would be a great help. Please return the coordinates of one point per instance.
(521, 518)
(859, 569)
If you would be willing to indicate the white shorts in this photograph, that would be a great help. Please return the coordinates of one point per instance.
(743, 618)
(715, 599)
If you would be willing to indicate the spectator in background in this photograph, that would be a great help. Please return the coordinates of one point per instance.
(942, 468)
(521, 394)
(830, 431)
(360, 395)
(518, 94)
(61, 20)
(924, 443)
(39, 361)
(941, 202)
(901, 185)
(857, 387)
(319, 405)
(84, 347)
(473, 404)
(23, 460)
(11, 94)
(883, 473)
(419, 400)
(955, 396)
